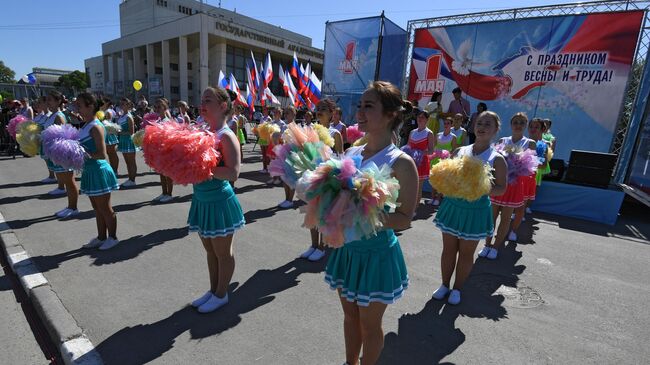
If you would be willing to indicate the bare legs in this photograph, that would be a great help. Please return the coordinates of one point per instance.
(221, 263)
(420, 185)
(167, 185)
(131, 166)
(316, 239)
(105, 216)
(288, 193)
(67, 179)
(113, 159)
(362, 329)
(458, 256)
(504, 225)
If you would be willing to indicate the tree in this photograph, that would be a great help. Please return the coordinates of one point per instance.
(75, 81)
(6, 74)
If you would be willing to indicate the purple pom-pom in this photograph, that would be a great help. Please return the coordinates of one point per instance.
(415, 154)
(56, 131)
(67, 153)
(520, 162)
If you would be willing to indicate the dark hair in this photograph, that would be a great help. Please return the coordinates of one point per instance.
(456, 90)
(547, 121)
(56, 96)
(309, 113)
(328, 103)
(426, 113)
(482, 105)
(391, 100)
(520, 115)
(290, 108)
(542, 126)
(88, 99)
(435, 95)
(163, 101)
(223, 95)
(107, 100)
(127, 101)
(339, 110)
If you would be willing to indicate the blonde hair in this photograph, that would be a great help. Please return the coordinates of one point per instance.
(222, 95)
(492, 115)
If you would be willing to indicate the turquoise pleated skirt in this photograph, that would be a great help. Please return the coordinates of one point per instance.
(369, 270)
(215, 210)
(98, 178)
(110, 139)
(466, 220)
(125, 144)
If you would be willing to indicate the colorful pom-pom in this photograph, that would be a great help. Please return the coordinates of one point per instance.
(182, 152)
(361, 141)
(354, 134)
(112, 128)
(266, 130)
(292, 160)
(67, 153)
(13, 124)
(461, 177)
(28, 136)
(100, 115)
(440, 154)
(323, 134)
(415, 154)
(521, 162)
(150, 119)
(137, 138)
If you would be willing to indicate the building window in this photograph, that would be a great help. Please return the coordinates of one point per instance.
(173, 66)
(162, 3)
(158, 71)
(189, 65)
(189, 86)
(174, 89)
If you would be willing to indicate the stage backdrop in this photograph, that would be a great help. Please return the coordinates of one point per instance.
(351, 51)
(570, 69)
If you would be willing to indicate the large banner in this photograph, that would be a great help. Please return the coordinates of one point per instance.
(351, 51)
(570, 69)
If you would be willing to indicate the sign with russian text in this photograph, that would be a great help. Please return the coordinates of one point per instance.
(570, 69)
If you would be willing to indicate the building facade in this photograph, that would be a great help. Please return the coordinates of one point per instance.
(176, 48)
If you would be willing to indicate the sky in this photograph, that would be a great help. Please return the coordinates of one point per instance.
(61, 34)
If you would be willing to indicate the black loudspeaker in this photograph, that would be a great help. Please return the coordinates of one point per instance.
(591, 168)
(557, 170)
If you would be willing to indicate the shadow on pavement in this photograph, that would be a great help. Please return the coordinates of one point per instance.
(146, 342)
(251, 187)
(429, 336)
(127, 249)
(253, 216)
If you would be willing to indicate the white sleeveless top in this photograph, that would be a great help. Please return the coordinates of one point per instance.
(386, 156)
(522, 143)
(487, 156)
(417, 135)
(338, 126)
(442, 139)
(51, 118)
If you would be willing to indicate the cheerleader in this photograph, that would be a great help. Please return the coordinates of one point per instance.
(371, 273)
(513, 198)
(233, 123)
(215, 212)
(25, 109)
(464, 223)
(337, 124)
(42, 115)
(424, 140)
(458, 130)
(446, 141)
(97, 178)
(290, 117)
(182, 116)
(547, 136)
(241, 127)
(161, 107)
(65, 177)
(125, 145)
(264, 143)
(110, 139)
(324, 111)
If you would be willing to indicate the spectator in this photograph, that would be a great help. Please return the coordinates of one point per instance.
(480, 108)
(434, 108)
(459, 105)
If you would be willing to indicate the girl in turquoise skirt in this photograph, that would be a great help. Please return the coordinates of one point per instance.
(215, 212)
(110, 139)
(464, 223)
(65, 177)
(97, 178)
(125, 144)
(371, 273)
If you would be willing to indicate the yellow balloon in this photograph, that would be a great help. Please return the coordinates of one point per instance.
(137, 85)
(99, 115)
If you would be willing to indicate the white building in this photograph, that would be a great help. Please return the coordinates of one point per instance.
(177, 47)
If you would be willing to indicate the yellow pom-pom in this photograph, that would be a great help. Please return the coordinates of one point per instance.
(360, 142)
(99, 115)
(28, 137)
(323, 134)
(138, 137)
(462, 177)
(266, 130)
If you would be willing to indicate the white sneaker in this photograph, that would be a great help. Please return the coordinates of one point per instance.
(286, 204)
(277, 181)
(454, 297)
(263, 171)
(109, 243)
(440, 293)
(200, 301)
(523, 219)
(94, 243)
(270, 181)
(158, 197)
(61, 211)
(56, 191)
(307, 253)
(128, 184)
(512, 217)
(316, 255)
(435, 202)
(484, 252)
(492, 255)
(48, 180)
(528, 211)
(166, 198)
(213, 304)
(512, 236)
(68, 213)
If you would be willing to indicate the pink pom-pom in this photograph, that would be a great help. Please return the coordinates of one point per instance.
(441, 154)
(181, 152)
(13, 124)
(150, 119)
(354, 133)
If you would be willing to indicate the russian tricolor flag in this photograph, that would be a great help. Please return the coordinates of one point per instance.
(223, 82)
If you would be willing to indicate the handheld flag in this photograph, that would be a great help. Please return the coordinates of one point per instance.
(223, 82)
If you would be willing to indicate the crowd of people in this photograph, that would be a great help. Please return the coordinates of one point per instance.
(369, 273)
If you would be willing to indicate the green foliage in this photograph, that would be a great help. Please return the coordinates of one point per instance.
(6, 74)
(76, 81)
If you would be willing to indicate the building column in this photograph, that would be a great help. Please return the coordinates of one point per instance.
(125, 73)
(151, 66)
(114, 72)
(138, 72)
(182, 67)
(105, 74)
(166, 79)
(203, 56)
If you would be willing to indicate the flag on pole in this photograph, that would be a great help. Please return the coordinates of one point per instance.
(295, 67)
(296, 98)
(314, 88)
(250, 99)
(306, 75)
(268, 71)
(250, 83)
(223, 82)
(235, 87)
(285, 86)
(270, 97)
(255, 75)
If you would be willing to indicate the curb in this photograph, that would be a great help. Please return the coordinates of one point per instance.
(75, 347)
